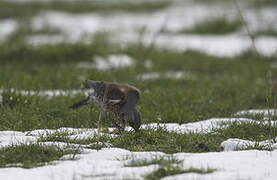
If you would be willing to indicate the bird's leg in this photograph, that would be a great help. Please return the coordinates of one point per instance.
(118, 123)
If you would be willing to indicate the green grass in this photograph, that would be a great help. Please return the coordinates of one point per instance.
(63, 137)
(161, 140)
(163, 172)
(150, 140)
(269, 32)
(214, 26)
(168, 165)
(32, 155)
(219, 88)
(146, 162)
(173, 167)
(56, 137)
(262, 3)
(29, 9)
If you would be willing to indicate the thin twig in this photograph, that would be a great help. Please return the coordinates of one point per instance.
(155, 38)
(242, 19)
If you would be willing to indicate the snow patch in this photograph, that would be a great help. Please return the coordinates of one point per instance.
(109, 164)
(239, 144)
(210, 44)
(126, 27)
(263, 112)
(232, 165)
(64, 130)
(167, 75)
(7, 28)
(36, 40)
(8, 138)
(114, 61)
(207, 126)
(89, 134)
(46, 93)
(63, 145)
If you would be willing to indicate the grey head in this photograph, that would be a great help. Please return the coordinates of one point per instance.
(98, 88)
(95, 96)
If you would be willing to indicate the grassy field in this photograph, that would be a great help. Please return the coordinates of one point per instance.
(212, 27)
(29, 156)
(211, 87)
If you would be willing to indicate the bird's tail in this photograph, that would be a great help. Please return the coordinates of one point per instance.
(133, 118)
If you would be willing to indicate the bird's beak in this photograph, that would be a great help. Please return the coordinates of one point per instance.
(90, 83)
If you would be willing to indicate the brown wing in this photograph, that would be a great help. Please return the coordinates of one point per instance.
(114, 93)
(125, 93)
(132, 94)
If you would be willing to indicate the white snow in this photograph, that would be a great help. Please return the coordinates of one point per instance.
(46, 39)
(149, 76)
(125, 27)
(240, 144)
(8, 138)
(113, 61)
(207, 126)
(104, 164)
(253, 164)
(167, 75)
(108, 163)
(210, 44)
(264, 112)
(47, 93)
(8, 26)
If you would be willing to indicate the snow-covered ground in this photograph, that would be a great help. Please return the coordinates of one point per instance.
(113, 61)
(238, 144)
(124, 27)
(108, 163)
(8, 138)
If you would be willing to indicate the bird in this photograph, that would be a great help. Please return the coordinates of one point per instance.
(118, 99)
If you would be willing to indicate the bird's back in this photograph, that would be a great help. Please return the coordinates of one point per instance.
(128, 94)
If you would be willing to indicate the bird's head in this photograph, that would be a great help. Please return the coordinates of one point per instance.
(97, 86)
